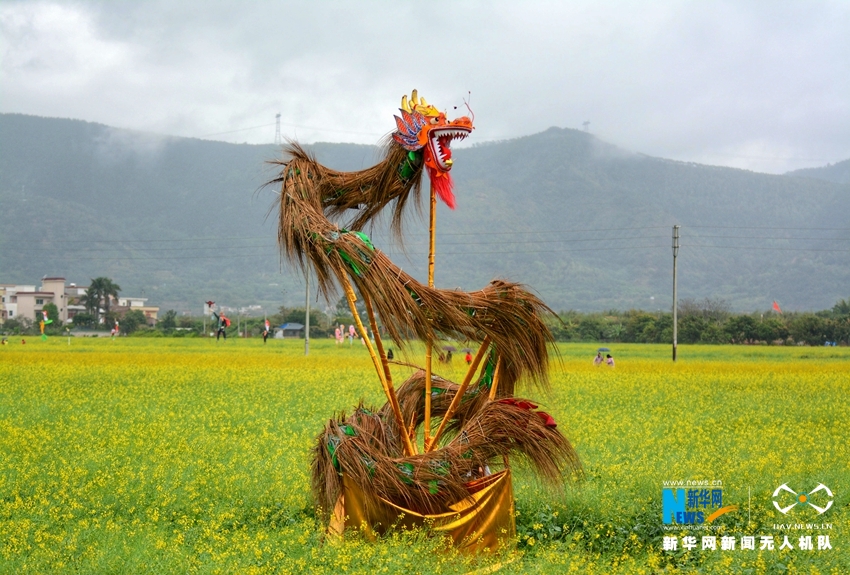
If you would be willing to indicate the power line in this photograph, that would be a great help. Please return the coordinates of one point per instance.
(765, 249)
(551, 238)
(375, 236)
(558, 231)
(260, 246)
(218, 238)
(761, 228)
(107, 257)
(183, 249)
(381, 235)
(521, 252)
(774, 238)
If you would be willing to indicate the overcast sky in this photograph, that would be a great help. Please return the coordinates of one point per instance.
(758, 85)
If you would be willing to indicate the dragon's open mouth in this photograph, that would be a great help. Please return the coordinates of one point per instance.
(439, 142)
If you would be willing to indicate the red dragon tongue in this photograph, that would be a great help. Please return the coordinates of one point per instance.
(442, 184)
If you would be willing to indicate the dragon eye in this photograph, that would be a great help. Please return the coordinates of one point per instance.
(434, 121)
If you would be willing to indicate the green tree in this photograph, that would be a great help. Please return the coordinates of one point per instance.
(83, 320)
(640, 328)
(317, 319)
(742, 329)
(592, 328)
(771, 329)
(99, 295)
(664, 328)
(714, 333)
(52, 313)
(132, 320)
(692, 328)
(13, 326)
(811, 329)
(169, 321)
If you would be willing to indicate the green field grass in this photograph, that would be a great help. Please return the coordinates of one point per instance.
(187, 456)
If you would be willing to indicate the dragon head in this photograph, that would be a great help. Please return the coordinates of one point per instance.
(424, 129)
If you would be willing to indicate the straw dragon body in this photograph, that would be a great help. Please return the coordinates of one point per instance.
(322, 217)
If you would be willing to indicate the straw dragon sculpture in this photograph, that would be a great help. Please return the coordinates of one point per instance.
(367, 469)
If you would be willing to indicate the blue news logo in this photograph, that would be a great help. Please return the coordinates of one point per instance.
(692, 506)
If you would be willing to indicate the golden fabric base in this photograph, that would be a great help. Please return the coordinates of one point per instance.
(484, 519)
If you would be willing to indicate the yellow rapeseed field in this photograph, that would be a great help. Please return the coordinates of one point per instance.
(187, 456)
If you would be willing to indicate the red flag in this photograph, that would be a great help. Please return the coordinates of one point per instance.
(776, 307)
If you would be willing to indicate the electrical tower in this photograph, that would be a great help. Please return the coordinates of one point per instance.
(675, 296)
(277, 139)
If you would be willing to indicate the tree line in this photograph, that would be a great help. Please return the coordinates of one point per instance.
(708, 321)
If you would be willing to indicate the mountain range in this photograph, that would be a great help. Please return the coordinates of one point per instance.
(584, 223)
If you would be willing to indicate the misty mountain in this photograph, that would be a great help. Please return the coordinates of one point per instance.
(838, 172)
(582, 222)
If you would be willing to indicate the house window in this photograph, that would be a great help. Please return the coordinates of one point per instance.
(39, 301)
(11, 313)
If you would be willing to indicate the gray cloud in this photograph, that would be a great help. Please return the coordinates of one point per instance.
(758, 85)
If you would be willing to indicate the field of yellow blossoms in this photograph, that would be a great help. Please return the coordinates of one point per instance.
(187, 456)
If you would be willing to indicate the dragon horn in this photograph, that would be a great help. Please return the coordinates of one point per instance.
(423, 103)
(414, 98)
(404, 105)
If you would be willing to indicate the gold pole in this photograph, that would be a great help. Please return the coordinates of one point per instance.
(432, 229)
(378, 343)
(388, 389)
(461, 390)
(387, 375)
(495, 383)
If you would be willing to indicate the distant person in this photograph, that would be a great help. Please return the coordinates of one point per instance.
(468, 358)
(338, 336)
(597, 361)
(265, 334)
(223, 323)
(609, 360)
(449, 356)
(389, 352)
(351, 333)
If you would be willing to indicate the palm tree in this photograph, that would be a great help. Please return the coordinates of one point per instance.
(842, 308)
(100, 293)
(110, 292)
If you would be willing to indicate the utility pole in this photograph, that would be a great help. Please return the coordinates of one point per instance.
(277, 138)
(307, 314)
(675, 296)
